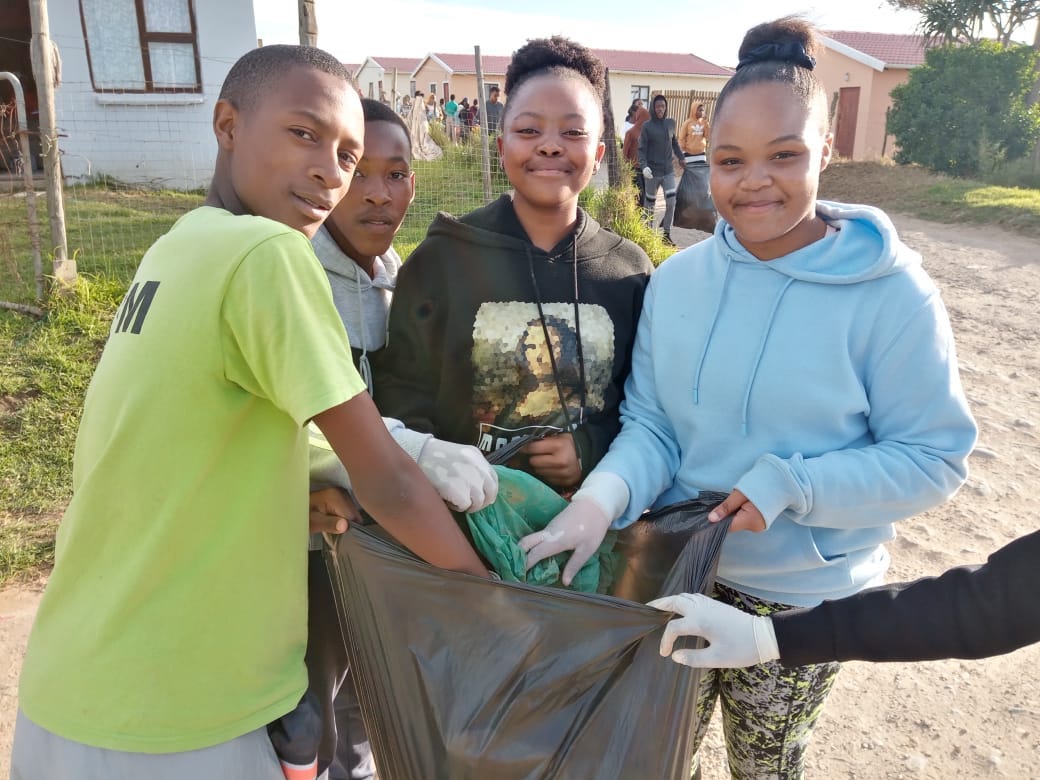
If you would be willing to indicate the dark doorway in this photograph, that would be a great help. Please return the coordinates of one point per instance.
(16, 33)
(845, 132)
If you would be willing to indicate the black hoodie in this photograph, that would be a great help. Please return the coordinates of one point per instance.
(657, 142)
(466, 355)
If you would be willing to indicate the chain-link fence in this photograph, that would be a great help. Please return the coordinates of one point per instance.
(132, 163)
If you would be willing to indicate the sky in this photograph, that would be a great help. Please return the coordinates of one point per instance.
(408, 28)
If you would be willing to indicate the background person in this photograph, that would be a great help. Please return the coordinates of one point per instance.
(657, 146)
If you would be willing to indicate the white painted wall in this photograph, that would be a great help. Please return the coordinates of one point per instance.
(164, 140)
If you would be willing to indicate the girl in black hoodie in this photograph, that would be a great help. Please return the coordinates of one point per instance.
(514, 324)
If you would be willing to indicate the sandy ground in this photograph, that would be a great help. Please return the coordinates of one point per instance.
(940, 719)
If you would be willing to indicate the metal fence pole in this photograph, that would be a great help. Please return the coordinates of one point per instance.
(27, 178)
(485, 150)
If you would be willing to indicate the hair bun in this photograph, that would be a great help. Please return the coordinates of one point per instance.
(788, 51)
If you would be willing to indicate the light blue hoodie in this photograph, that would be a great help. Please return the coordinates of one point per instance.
(822, 384)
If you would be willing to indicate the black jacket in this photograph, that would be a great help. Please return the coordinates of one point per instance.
(657, 144)
(466, 358)
(968, 612)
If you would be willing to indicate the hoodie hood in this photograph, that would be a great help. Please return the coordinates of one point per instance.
(653, 114)
(693, 110)
(864, 247)
(497, 226)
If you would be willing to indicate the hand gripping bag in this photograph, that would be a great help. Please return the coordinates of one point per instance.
(461, 678)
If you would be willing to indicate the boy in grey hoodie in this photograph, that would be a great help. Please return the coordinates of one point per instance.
(354, 247)
(657, 144)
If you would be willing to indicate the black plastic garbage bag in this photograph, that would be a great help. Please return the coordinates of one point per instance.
(462, 678)
(694, 208)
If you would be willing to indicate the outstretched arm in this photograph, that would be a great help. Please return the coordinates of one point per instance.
(968, 612)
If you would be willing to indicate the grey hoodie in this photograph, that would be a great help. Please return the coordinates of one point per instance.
(657, 142)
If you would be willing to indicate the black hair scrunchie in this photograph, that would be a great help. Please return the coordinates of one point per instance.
(790, 51)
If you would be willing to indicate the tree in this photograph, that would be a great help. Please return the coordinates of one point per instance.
(964, 20)
(966, 108)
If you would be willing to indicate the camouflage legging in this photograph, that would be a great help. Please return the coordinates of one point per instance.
(768, 711)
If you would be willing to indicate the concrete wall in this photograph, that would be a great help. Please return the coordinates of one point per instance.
(837, 71)
(163, 140)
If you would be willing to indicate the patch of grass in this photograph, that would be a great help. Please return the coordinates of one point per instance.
(108, 230)
(45, 367)
(26, 544)
(616, 210)
(913, 190)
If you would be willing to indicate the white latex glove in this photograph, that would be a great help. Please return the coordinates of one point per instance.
(647, 173)
(735, 638)
(460, 473)
(580, 527)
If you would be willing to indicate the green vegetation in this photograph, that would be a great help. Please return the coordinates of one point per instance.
(966, 110)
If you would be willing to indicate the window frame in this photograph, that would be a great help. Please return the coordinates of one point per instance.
(636, 92)
(145, 37)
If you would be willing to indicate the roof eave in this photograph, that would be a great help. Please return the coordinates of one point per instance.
(855, 54)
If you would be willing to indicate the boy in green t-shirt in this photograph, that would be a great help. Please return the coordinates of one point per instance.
(174, 624)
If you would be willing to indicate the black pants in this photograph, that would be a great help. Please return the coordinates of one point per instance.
(344, 747)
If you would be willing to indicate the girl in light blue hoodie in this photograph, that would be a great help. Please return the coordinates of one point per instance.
(801, 360)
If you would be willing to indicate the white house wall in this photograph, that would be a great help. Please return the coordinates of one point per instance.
(163, 140)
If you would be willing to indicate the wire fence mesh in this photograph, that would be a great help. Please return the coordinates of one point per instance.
(132, 164)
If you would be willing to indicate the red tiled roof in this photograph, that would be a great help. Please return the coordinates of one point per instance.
(629, 61)
(403, 64)
(895, 50)
(660, 62)
(353, 67)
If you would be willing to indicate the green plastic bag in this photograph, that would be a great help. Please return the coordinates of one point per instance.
(525, 505)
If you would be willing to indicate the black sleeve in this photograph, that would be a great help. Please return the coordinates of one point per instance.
(407, 375)
(641, 147)
(968, 612)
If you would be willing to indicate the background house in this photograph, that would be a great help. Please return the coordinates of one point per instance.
(632, 74)
(859, 72)
(139, 82)
(389, 76)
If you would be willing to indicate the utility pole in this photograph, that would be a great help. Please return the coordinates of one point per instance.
(308, 23)
(45, 70)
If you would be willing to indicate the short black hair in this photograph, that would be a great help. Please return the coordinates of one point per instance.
(556, 54)
(784, 51)
(253, 73)
(493, 89)
(380, 112)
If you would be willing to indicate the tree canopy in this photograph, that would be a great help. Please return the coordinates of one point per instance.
(965, 20)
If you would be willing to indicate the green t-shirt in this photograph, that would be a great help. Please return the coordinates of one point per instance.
(176, 616)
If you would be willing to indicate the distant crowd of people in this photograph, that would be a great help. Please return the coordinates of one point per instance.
(459, 118)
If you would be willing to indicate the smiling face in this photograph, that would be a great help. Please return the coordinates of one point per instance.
(291, 156)
(768, 150)
(367, 219)
(550, 144)
(660, 108)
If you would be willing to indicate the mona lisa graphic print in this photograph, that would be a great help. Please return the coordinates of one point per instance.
(515, 392)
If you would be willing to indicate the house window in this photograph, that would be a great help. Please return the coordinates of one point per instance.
(141, 45)
(641, 93)
(433, 88)
(488, 86)
(412, 87)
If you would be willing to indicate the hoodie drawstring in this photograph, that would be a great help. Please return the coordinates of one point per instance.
(758, 356)
(707, 339)
(363, 365)
(571, 425)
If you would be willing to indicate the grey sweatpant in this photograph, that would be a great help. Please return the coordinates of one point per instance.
(39, 754)
(670, 186)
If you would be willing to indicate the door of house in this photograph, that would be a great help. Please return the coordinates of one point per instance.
(845, 132)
